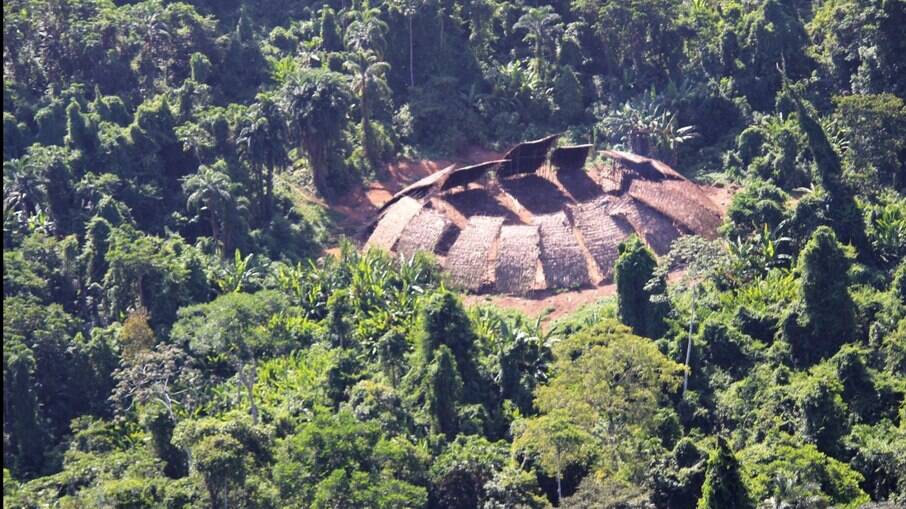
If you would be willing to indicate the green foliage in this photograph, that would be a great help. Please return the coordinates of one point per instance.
(556, 441)
(827, 316)
(171, 340)
(875, 127)
(723, 483)
(589, 391)
(335, 459)
(880, 456)
(886, 227)
(459, 474)
(758, 203)
(634, 268)
(830, 480)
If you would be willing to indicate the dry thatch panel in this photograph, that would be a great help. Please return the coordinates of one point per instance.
(517, 259)
(562, 258)
(535, 193)
(647, 168)
(423, 233)
(680, 200)
(656, 229)
(570, 157)
(579, 185)
(526, 157)
(468, 257)
(467, 175)
(392, 223)
(422, 187)
(601, 232)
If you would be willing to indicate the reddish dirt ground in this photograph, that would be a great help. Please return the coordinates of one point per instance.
(559, 304)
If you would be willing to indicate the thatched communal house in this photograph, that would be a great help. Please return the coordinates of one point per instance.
(539, 219)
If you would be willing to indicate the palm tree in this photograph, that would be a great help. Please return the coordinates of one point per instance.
(791, 492)
(366, 30)
(316, 102)
(368, 72)
(210, 190)
(262, 142)
(541, 24)
(23, 186)
(156, 48)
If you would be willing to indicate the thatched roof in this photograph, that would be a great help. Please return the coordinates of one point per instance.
(480, 202)
(570, 157)
(526, 157)
(656, 229)
(579, 185)
(647, 168)
(517, 259)
(561, 256)
(600, 232)
(467, 175)
(392, 223)
(535, 193)
(423, 233)
(422, 187)
(680, 200)
(469, 256)
(536, 230)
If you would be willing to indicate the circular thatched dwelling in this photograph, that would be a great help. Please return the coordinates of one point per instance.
(538, 219)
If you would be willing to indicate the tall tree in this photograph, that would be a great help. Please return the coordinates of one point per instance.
(542, 26)
(408, 8)
(210, 190)
(316, 102)
(827, 309)
(723, 486)
(633, 271)
(366, 30)
(556, 440)
(262, 142)
(368, 74)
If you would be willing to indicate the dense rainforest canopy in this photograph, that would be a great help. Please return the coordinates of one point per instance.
(173, 336)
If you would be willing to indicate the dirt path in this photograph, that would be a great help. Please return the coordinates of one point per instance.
(559, 304)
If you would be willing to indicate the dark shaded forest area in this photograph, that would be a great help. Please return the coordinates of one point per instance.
(173, 335)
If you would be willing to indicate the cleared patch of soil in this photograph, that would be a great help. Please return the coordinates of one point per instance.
(560, 303)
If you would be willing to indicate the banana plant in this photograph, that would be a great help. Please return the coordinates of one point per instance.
(757, 255)
(887, 229)
(245, 273)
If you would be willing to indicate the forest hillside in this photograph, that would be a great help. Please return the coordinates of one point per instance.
(175, 333)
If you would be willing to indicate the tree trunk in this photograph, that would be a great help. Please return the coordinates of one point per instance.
(269, 192)
(366, 126)
(317, 158)
(215, 229)
(539, 59)
(440, 13)
(249, 382)
(689, 346)
(411, 55)
(559, 487)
